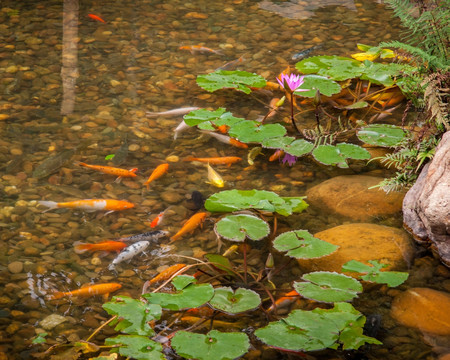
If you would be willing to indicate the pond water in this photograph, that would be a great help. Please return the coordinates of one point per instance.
(79, 88)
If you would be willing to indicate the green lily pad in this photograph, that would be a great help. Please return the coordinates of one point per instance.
(220, 262)
(374, 274)
(191, 296)
(383, 74)
(214, 345)
(223, 79)
(338, 68)
(352, 151)
(277, 142)
(382, 135)
(313, 83)
(134, 315)
(328, 287)
(299, 148)
(300, 244)
(253, 131)
(317, 329)
(238, 227)
(234, 302)
(205, 119)
(136, 347)
(329, 155)
(235, 200)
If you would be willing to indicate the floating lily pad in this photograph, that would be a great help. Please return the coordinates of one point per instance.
(234, 200)
(220, 262)
(382, 135)
(313, 83)
(188, 295)
(383, 74)
(300, 244)
(136, 347)
(234, 302)
(253, 131)
(277, 142)
(205, 119)
(317, 329)
(352, 151)
(214, 345)
(299, 148)
(223, 79)
(329, 155)
(328, 287)
(134, 315)
(374, 274)
(338, 68)
(238, 227)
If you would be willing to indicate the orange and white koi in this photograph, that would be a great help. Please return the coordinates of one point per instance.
(158, 219)
(190, 225)
(91, 290)
(224, 160)
(200, 49)
(108, 245)
(288, 299)
(173, 112)
(89, 204)
(157, 173)
(96, 17)
(226, 139)
(110, 170)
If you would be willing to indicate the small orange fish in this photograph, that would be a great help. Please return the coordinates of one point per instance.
(107, 245)
(111, 170)
(190, 225)
(238, 144)
(157, 173)
(286, 300)
(90, 204)
(158, 219)
(166, 274)
(273, 86)
(224, 160)
(223, 129)
(95, 17)
(200, 49)
(91, 290)
(202, 311)
(276, 155)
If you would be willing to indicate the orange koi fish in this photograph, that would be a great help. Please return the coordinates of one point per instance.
(90, 204)
(108, 245)
(276, 155)
(190, 225)
(223, 128)
(95, 17)
(91, 290)
(225, 160)
(284, 301)
(157, 173)
(202, 311)
(111, 170)
(200, 49)
(226, 139)
(166, 274)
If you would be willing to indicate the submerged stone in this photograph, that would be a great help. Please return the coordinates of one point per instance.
(425, 309)
(52, 321)
(351, 196)
(363, 242)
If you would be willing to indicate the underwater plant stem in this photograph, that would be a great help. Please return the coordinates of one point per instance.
(292, 113)
(101, 327)
(316, 113)
(245, 264)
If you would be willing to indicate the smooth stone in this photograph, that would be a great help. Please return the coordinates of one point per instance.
(15, 267)
(425, 309)
(350, 196)
(363, 242)
(171, 197)
(52, 321)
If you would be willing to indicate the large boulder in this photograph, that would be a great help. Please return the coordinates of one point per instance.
(363, 242)
(353, 196)
(426, 207)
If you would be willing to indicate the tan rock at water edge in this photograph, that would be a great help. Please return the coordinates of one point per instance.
(425, 309)
(350, 196)
(363, 242)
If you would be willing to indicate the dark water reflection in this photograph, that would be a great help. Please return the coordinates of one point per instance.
(124, 67)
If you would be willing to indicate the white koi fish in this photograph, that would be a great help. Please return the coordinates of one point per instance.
(226, 139)
(128, 253)
(180, 128)
(173, 112)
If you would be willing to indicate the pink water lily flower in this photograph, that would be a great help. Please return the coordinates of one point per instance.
(291, 82)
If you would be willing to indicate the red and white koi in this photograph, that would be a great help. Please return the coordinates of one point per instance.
(89, 205)
(158, 219)
(173, 112)
(226, 139)
(129, 252)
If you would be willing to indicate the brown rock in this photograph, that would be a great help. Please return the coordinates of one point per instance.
(423, 308)
(363, 242)
(350, 196)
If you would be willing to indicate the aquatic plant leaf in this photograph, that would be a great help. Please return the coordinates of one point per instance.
(374, 274)
(223, 79)
(39, 338)
(105, 357)
(203, 115)
(329, 155)
(234, 200)
(338, 68)
(382, 135)
(352, 151)
(300, 244)
(214, 345)
(134, 315)
(234, 302)
(298, 147)
(277, 142)
(238, 227)
(220, 262)
(188, 294)
(383, 74)
(109, 157)
(313, 83)
(253, 131)
(317, 329)
(294, 204)
(53, 163)
(136, 347)
(328, 287)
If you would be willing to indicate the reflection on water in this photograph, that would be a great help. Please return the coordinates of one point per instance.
(84, 102)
